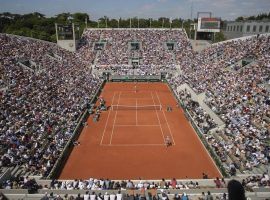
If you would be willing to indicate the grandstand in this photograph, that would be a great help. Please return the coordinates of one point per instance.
(50, 95)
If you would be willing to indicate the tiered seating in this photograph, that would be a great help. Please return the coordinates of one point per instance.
(238, 97)
(102, 188)
(40, 108)
(153, 53)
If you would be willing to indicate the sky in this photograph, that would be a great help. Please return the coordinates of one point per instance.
(226, 9)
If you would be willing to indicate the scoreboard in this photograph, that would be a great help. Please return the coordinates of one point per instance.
(208, 24)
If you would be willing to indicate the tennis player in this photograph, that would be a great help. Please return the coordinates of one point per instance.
(168, 141)
(135, 88)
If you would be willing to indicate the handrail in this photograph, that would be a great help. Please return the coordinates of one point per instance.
(62, 158)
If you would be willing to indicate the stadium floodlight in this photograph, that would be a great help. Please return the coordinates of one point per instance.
(85, 22)
(162, 22)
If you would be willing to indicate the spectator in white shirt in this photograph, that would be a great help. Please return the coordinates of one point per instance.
(86, 196)
(93, 196)
(106, 196)
(112, 196)
(119, 196)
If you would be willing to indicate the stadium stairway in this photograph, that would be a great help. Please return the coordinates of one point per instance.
(15, 170)
(177, 72)
(259, 170)
(231, 158)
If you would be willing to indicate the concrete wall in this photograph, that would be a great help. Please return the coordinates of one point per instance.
(241, 38)
(69, 45)
(232, 35)
(199, 45)
(200, 99)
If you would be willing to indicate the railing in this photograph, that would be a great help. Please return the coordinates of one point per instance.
(5, 175)
(205, 143)
(68, 147)
(135, 78)
(201, 136)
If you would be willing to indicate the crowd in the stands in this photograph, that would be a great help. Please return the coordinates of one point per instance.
(201, 118)
(26, 182)
(40, 108)
(47, 88)
(241, 97)
(119, 190)
(148, 47)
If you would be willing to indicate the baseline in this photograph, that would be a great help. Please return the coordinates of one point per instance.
(130, 145)
(135, 125)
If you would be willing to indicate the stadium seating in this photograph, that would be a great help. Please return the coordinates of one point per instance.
(117, 53)
(44, 89)
(240, 97)
(41, 105)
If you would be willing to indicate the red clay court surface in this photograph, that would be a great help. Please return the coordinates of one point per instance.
(130, 144)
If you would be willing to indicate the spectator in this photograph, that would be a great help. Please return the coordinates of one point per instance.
(86, 196)
(236, 191)
(119, 196)
(209, 196)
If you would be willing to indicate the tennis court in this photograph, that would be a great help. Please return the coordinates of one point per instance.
(136, 118)
(129, 140)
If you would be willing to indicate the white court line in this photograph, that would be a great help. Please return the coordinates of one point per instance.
(129, 145)
(135, 125)
(107, 121)
(158, 119)
(148, 98)
(165, 119)
(136, 113)
(115, 118)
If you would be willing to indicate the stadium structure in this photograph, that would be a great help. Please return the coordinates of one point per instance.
(135, 112)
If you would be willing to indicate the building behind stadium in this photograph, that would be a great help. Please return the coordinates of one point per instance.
(235, 29)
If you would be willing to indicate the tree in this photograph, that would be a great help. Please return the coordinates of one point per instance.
(63, 17)
(238, 19)
(219, 37)
(80, 17)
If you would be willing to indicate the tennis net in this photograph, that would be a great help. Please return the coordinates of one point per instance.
(142, 107)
